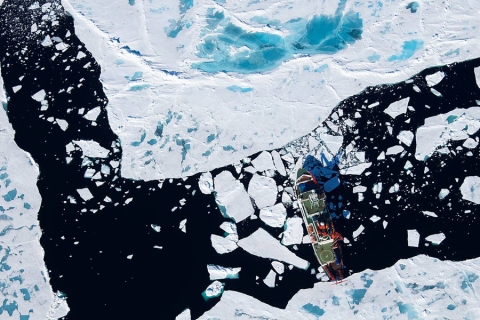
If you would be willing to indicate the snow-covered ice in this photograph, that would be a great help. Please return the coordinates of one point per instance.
(413, 238)
(215, 289)
(222, 245)
(274, 216)
(397, 108)
(231, 197)
(217, 272)
(293, 233)
(470, 189)
(270, 279)
(278, 267)
(205, 183)
(436, 239)
(92, 149)
(434, 79)
(263, 191)
(263, 162)
(85, 194)
(357, 232)
(262, 244)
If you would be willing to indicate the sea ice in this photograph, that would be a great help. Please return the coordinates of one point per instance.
(185, 315)
(357, 232)
(443, 193)
(470, 189)
(215, 289)
(397, 108)
(263, 162)
(413, 238)
(278, 267)
(357, 169)
(93, 114)
(429, 213)
(231, 197)
(293, 233)
(92, 149)
(394, 150)
(270, 248)
(277, 160)
(263, 191)
(85, 194)
(434, 79)
(274, 216)
(270, 279)
(406, 137)
(205, 183)
(436, 239)
(222, 245)
(217, 272)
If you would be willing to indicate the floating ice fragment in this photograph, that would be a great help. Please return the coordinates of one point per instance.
(182, 226)
(394, 188)
(397, 108)
(217, 272)
(277, 160)
(205, 183)
(47, 42)
(39, 96)
(356, 170)
(274, 216)
(357, 232)
(92, 149)
(270, 279)
(231, 197)
(429, 213)
(436, 239)
(185, 315)
(434, 79)
(222, 245)
(16, 88)
(470, 143)
(293, 233)
(270, 248)
(214, 290)
(358, 189)
(63, 124)
(93, 114)
(278, 267)
(406, 137)
(374, 218)
(155, 227)
(470, 189)
(477, 75)
(263, 162)
(129, 257)
(435, 92)
(85, 194)
(381, 156)
(394, 150)
(263, 190)
(443, 193)
(413, 238)
(384, 223)
(286, 200)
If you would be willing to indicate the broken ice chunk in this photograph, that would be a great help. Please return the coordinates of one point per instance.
(278, 267)
(92, 149)
(270, 279)
(39, 96)
(16, 88)
(155, 227)
(357, 232)
(470, 143)
(381, 156)
(274, 216)
(47, 42)
(394, 150)
(397, 108)
(263, 162)
(434, 79)
(477, 75)
(231, 197)
(263, 190)
(222, 245)
(213, 290)
(205, 183)
(374, 218)
(270, 248)
(185, 315)
(85, 194)
(293, 233)
(406, 137)
(277, 160)
(413, 238)
(443, 193)
(217, 272)
(93, 114)
(286, 200)
(183, 226)
(358, 189)
(62, 124)
(436, 239)
(470, 189)
(429, 213)
(356, 170)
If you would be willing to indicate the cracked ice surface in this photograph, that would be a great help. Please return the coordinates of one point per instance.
(263, 191)
(414, 288)
(231, 197)
(23, 276)
(270, 248)
(274, 216)
(148, 53)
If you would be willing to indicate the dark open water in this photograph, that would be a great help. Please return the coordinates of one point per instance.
(98, 279)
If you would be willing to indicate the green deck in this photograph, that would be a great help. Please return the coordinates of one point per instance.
(311, 207)
(324, 252)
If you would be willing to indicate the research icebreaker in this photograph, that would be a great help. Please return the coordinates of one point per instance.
(326, 241)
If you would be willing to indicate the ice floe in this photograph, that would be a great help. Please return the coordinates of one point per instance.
(222, 245)
(413, 238)
(231, 197)
(293, 233)
(263, 162)
(217, 272)
(205, 183)
(436, 239)
(274, 216)
(434, 79)
(397, 108)
(270, 279)
(470, 189)
(263, 191)
(214, 290)
(91, 148)
(270, 248)
(278, 267)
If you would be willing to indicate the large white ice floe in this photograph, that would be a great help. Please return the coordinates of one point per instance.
(231, 197)
(274, 216)
(470, 189)
(417, 288)
(436, 239)
(217, 272)
(222, 245)
(397, 108)
(455, 125)
(435, 78)
(25, 288)
(293, 233)
(263, 191)
(205, 183)
(91, 148)
(263, 162)
(214, 290)
(270, 248)
(161, 60)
